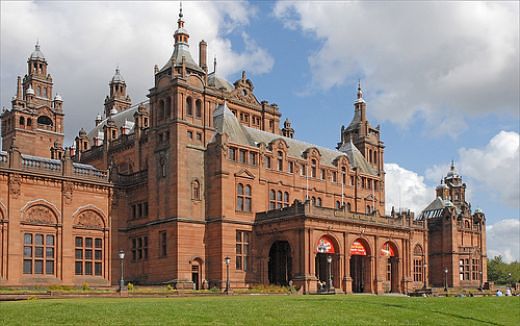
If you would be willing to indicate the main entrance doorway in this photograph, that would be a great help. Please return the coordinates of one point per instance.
(195, 276)
(359, 267)
(280, 263)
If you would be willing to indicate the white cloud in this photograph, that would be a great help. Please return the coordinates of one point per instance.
(503, 239)
(497, 166)
(406, 189)
(84, 42)
(436, 60)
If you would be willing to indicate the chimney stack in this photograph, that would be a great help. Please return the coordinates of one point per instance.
(203, 46)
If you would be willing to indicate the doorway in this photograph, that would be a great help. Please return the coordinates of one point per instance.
(280, 263)
(195, 276)
(359, 267)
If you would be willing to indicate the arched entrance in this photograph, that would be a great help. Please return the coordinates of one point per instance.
(196, 273)
(389, 251)
(280, 263)
(326, 264)
(360, 266)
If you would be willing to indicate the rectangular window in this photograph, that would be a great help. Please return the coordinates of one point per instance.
(242, 156)
(88, 256)
(291, 167)
(38, 253)
(242, 250)
(322, 174)
(163, 244)
(418, 270)
(232, 154)
(267, 162)
(334, 176)
(252, 158)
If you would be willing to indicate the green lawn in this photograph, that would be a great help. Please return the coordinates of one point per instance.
(265, 310)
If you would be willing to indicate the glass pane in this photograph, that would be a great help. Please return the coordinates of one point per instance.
(50, 240)
(79, 242)
(98, 255)
(27, 238)
(79, 254)
(88, 242)
(238, 264)
(38, 252)
(27, 266)
(27, 252)
(38, 239)
(247, 207)
(98, 243)
(38, 267)
(49, 267)
(239, 249)
(246, 236)
(88, 253)
(79, 268)
(98, 269)
(49, 252)
(88, 268)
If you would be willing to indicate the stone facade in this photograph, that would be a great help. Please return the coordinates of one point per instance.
(202, 172)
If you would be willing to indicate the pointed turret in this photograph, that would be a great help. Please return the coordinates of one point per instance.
(118, 100)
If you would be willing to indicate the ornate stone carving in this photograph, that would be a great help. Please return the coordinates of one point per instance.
(67, 192)
(15, 182)
(89, 218)
(40, 214)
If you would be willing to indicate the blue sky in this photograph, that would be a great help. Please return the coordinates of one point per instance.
(441, 78)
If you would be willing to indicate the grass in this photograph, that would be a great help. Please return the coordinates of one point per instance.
(265, 310)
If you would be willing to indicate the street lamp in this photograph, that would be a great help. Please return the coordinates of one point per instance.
(510, 279)
(424, 275)
(481, 281)
(329, 261)
(227, 260)
(446, 279)
(122, 281)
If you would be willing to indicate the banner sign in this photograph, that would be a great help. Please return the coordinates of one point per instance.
(387, 250)
(358, 249)
(325, 246)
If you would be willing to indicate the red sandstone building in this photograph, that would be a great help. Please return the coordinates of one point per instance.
(201, 172)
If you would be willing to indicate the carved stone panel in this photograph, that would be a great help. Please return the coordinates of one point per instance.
(40, 214)
(89, 218)
(67, 192)
(15, 182)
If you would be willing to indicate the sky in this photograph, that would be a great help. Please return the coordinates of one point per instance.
(440, 78)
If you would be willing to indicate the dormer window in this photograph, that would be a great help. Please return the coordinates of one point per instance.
(280, 161)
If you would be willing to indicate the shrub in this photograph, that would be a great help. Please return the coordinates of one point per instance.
(85, 286)
(169, 287)
(130, 286)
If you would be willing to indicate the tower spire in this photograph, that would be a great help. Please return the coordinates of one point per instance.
(181, 35)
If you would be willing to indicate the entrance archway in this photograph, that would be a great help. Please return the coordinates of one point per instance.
(327, 264)
(389, 251)
(360, 266)
(280, 263)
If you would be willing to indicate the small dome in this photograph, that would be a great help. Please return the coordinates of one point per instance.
(30, 90)
(58, 97)
(219, 83)
(37, 54)
(98, 117)
(478, 210)
(117, 77)
(82, 132)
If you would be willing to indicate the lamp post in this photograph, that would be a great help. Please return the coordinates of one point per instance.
(510, 279)
(424, 275)
(329, 261)
(446, 279)
(227, 260)
(122, 281)
(481, 281)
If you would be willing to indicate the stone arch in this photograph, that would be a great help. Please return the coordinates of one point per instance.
(418, 250)
(360, 253)
(40, 211)
(365, 243)
(89, 217)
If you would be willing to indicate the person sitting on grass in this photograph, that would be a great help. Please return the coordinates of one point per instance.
(499, 293)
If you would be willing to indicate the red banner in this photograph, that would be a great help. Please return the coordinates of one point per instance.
(358, 249)
(325, 246)
(387, 250)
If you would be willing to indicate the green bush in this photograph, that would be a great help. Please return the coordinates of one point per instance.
(85, 286)
(130, 286)
(169, 287)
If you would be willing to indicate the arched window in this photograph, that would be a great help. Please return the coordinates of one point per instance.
(313, 168)
(417, 250)
(338, 204)
(466, 224)
(39, 91)
(313, 200)
(343, 175)
(29, 121)
(418, 264)
(349, 207)
(198, 108)
(247, 199)
(280, 161)
(195, 193)
(272, 199)
(22, 121)
(44, 120)
(161, 110)
(285, 199)
(368, 210)
(279, 199)
(189, 106)
(318, 202)
(240, 197)
(168, 108)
